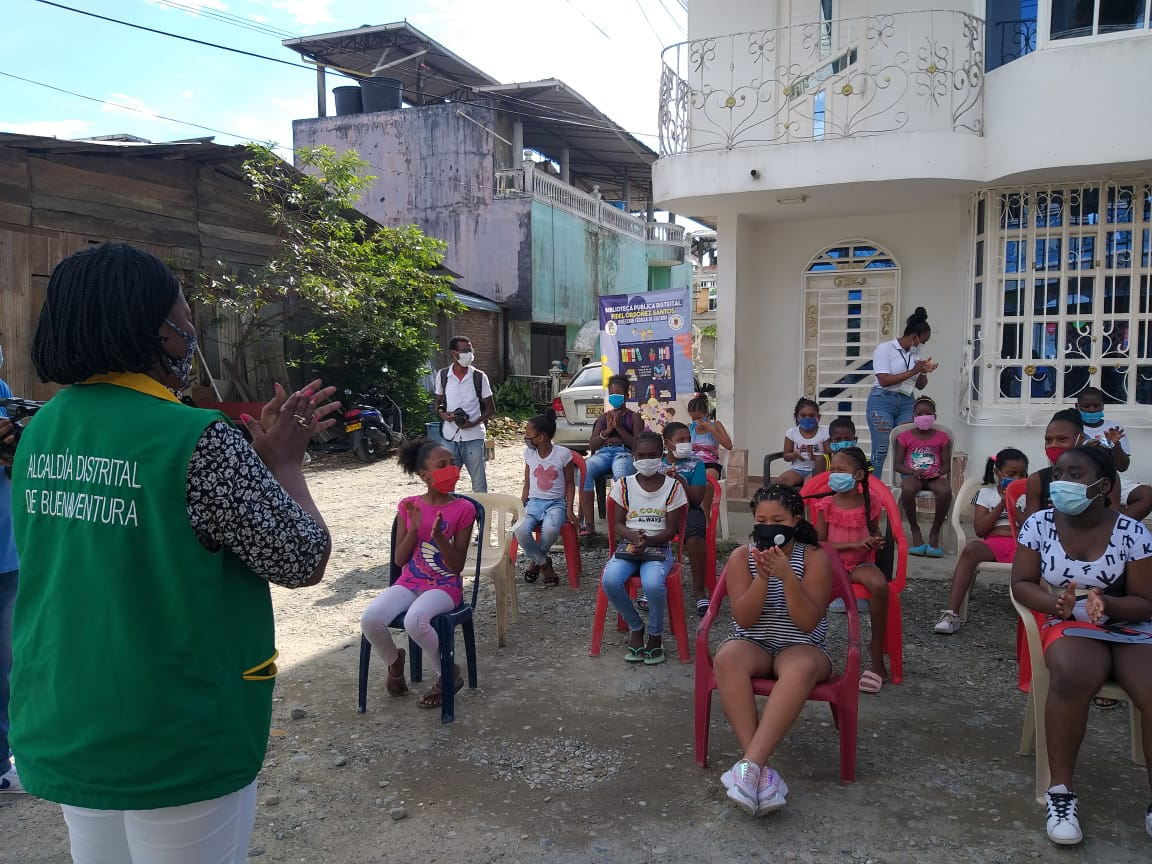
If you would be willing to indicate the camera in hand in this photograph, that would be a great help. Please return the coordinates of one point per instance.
(18, 410)
(460, 416)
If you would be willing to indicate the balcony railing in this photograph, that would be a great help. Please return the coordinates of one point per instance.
(665, 232)
(905, 71)
(515, 182)
(1017, 38)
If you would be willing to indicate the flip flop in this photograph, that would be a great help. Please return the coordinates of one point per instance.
(633, 655)
(433, 697)
(395, 684)
(702, 606)
(654, 656)
(870, 682)
(532, 573)
(919, 551)
(586, 531)
(1104, 704)
(933, 552)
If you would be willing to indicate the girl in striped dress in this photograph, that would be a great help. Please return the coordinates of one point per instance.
(779, 585)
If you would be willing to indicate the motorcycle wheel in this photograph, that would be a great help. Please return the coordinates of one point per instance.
(371, 446)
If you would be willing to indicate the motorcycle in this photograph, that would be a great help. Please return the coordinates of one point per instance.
(373, 424)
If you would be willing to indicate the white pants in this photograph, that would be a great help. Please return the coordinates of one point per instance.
(207, 832)
(420, 608)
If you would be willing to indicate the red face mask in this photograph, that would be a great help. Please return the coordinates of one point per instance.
(1054, 453)
(444, 479)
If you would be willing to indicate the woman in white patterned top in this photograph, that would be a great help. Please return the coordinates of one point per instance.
(1097, 622)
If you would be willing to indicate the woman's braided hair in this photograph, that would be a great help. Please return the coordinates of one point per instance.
(103, 313)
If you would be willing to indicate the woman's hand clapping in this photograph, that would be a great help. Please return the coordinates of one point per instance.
(1066, 602)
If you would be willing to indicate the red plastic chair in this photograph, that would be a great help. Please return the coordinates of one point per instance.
(841, 692)
(710, 537)
(677, 620)
(896, 549)
(568, 535)
(1012, 495)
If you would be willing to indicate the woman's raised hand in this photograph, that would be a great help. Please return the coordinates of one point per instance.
(280, 436)
(1066, 602)
(317, 394)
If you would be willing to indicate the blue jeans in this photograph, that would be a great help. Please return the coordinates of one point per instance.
(886, 410)
(614, 457)
(652, 574)
(8, 582)
(470, 455)
(550, 515)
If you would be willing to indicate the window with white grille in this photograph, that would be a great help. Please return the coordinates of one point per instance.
(1062, 296)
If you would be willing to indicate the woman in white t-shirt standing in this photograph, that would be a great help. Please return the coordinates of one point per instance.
(1086, 570)
(549, 495)
(649, 505)
(899, 371)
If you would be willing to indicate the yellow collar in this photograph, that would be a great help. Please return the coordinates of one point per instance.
(137, 381)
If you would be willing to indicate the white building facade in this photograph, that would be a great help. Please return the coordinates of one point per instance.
(991, 162)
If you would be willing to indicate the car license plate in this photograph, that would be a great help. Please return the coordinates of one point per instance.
(594, 409)
(353, 427)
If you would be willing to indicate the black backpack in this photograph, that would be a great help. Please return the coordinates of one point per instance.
(477, 379)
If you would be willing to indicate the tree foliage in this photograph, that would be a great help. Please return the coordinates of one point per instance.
(357, 296)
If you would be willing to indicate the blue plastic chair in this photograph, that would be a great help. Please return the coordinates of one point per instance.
(445, 627)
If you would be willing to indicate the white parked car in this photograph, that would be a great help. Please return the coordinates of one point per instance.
(578, 407)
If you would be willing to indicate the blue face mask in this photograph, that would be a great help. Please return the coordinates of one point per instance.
(1092, 417)
(837, 446)
(839, 481)
(616, 400)
(1070, 497)
(1005, 482)
(808, 423)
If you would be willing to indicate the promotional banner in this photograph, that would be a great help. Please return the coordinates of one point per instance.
(648, 338)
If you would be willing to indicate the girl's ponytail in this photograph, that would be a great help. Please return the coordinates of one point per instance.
(806, 533)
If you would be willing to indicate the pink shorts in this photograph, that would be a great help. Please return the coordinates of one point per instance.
(1003, 547)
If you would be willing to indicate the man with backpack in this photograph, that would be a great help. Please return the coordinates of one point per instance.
(464, 402)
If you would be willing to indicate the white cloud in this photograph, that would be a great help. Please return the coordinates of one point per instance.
(259, 19)
(188, 94)
(306, 13)
(50, 128)
(122, 103)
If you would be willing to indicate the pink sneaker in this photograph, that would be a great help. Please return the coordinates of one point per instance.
(771, 792)
(745, 786)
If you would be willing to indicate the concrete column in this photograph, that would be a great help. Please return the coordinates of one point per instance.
(626, 194)
(517, 142)
(651, 212)
(727, 318)
(321, 92)
(565, 173)
(671, 218)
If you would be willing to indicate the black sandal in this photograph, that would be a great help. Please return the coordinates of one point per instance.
(550, 577)
(532, 573)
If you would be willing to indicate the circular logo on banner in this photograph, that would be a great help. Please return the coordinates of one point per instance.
(676, 322)
(610, 328)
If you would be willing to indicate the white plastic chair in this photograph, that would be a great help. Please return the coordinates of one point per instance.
(724, 458)
(1033, 728)
(963, 498)
(504, 513)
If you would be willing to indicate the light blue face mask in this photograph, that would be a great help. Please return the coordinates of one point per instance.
(1091, 418)
(616, 400)
(1070, 497)
(839, 481)
(837, 446)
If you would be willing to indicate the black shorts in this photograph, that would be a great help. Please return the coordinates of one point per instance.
(714, 466)
(697, 525)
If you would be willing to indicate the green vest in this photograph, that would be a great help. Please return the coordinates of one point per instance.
(142, 674)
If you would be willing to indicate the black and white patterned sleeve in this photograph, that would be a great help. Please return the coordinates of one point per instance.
(235, 503)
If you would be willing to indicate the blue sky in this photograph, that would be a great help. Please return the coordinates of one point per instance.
(617, 69)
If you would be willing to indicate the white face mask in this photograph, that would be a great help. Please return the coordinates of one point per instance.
(465, 359)
(683, 450)
(648, 467)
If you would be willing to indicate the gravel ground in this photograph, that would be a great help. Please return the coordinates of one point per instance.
(562, 757)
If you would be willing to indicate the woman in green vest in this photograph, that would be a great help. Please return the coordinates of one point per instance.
(149, 531)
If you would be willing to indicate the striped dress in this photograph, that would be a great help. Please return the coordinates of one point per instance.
(774, 630)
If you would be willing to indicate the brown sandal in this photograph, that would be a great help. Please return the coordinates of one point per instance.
(396, 685)
(433, 697)
(550, 577)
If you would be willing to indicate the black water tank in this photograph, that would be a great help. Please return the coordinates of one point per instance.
(381, 94)
(348, 100)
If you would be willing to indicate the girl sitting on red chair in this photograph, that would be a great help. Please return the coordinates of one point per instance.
(847, 520)
(779, 585)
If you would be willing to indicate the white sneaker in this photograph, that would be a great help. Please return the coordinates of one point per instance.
(10, 782)
(745, 786)
(837, 605)
(727, 777)
(771, 792)
(948, 624)
(1063, 826)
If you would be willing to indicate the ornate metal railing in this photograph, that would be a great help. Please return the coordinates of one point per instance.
(515, 182)
(1017, 38)
(905, 71)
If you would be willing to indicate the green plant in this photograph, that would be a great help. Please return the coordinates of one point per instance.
(709, 330)
(514, 399)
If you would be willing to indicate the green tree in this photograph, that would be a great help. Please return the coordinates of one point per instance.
(357, 296)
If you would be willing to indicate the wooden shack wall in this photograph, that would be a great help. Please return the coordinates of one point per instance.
(189, 214)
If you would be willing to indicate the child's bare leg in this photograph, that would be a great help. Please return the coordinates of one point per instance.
(974, 553)
(588, 509)
(698, 561)
(874, 580)
(736, 663)
(909, 488)
(791, 478)
(799, 668)
(942, 489)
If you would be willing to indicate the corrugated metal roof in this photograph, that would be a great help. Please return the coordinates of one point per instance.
(200, 149)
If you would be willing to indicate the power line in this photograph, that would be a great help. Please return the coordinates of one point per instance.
(589, 20)
(673, 18)
(639, 6)
(227, 18)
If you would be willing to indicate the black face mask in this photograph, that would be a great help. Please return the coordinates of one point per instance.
(766, 536)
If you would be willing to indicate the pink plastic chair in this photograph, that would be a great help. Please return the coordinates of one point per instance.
(841, 692)
(710, 537)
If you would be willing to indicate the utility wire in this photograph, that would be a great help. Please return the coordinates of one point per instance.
(227, 18)
(639, 6)
(589, 20)
(663, 5)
